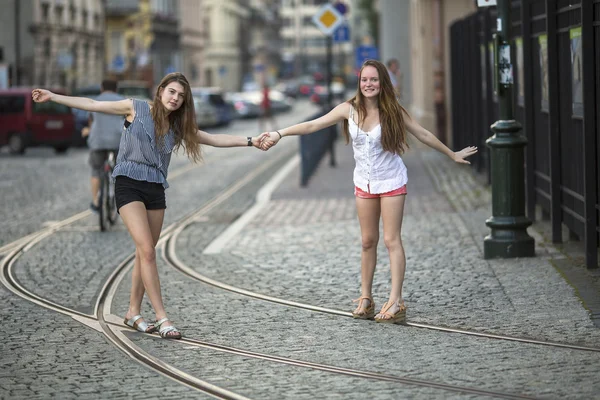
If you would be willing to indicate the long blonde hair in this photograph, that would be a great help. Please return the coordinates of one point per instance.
(391, 113)
(182, 121)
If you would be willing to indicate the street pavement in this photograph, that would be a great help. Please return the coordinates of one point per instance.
(303, 245)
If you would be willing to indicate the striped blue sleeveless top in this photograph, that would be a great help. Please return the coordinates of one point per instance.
(140, 156)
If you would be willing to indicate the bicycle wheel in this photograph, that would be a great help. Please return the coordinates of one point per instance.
(104, 203)
(112, 204)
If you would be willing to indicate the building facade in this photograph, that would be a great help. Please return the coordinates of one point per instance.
(53, 43)
(142, 39)
(261, 54)
(223, 21)
(192, 40)
(305, 46)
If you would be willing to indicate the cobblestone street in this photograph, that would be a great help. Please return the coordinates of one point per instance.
(279, 290)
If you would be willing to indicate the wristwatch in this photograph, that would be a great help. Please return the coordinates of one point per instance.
(249, 141)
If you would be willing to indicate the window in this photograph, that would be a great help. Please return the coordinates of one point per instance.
(45, 11)
(12, 104)
(96, 22)
(84, 19)
(207, 28)
(47, 47)
(50, 108)
(73, 13)
(58, 13)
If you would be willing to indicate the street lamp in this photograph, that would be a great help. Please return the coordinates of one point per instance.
(508, 223)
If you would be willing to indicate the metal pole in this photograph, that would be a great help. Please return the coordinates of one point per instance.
(508, 223)
(16, 78)
(329, 72)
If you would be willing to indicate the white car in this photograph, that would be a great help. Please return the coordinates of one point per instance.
(206, 114)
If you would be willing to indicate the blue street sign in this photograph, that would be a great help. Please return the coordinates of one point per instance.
(341, 34)
(170, 69)
(341, 7)
(118, 63)
(364, 53)
(222, 70)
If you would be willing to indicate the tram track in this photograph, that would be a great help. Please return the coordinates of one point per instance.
(103, 321)
(114, 331)
(98, 321)
(170, 256)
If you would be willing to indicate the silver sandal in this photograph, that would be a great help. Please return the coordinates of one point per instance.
(140, 326)
(165, 332)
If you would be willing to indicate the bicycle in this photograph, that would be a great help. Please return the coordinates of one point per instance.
(107, 204)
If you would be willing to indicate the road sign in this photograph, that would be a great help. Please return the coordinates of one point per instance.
(341, 7)
(486, 3)
(364, 53)
(341, 34)
(222, 70)
(327, 19)
(118, 63)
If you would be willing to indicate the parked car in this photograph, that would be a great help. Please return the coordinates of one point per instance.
(24, 123)
(243, 105)
(279, 102)
(214, 96)
(321, 93)
(206, 114)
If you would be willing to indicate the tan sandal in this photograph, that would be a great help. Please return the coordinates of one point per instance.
(397, 318)
(369, 312)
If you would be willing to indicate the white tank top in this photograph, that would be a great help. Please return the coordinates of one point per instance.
(376, 171)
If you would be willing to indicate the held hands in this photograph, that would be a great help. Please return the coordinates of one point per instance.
(41, 95)
(269, 139)
(258, 141)
(459, 156)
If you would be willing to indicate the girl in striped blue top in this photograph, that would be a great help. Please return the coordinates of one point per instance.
(152, 132)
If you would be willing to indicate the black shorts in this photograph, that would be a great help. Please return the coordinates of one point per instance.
(151, 194)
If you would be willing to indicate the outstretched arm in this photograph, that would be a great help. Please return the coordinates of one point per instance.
(121, 107)
(428, 138)
(223, 140)
(339, 113)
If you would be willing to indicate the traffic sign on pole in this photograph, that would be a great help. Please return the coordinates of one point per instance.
(342, 34)
(328, 19)
(486, 3)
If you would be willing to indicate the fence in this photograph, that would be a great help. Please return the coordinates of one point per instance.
(314, 146)
(556, 69)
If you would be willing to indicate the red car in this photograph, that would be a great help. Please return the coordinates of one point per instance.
(24, 123)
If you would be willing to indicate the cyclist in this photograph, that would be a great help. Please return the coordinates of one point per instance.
(104, 136)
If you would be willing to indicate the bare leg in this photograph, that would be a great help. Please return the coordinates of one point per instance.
(95, 186)
(392, 211)
(137, 289)
(144, 227)
(368, 216)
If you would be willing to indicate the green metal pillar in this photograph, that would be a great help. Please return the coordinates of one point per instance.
(508, 223)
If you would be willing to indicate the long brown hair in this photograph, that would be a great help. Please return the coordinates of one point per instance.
(391, 113)
(182, 120)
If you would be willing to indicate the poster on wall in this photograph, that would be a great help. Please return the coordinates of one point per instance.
(543, 45)
(576, 71)
(520, 72)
